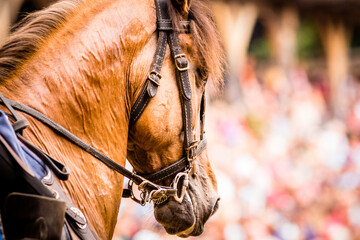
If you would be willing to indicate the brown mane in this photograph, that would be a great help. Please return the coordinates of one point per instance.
(206, 39)
(29, 34)
(36, 27)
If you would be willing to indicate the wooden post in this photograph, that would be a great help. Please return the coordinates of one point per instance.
(8, 13)
(335, 36)
(282, 25)
(236, 23)
(15, 6)
(5, 19)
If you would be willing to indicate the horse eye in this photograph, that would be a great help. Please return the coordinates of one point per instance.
(203, 75)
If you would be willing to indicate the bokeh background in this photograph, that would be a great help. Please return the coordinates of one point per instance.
(284, 132)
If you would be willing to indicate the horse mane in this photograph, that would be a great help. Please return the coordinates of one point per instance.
(34, 29)
(206, 38)
(29, 34)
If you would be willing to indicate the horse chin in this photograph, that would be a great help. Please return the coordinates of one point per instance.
(183, 219)
(177, 218)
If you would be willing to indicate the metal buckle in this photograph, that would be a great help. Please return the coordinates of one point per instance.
(190, 157)
(176, 64)
(185, 185)
(78, 213)
(158, 196)
(152, 79)
(144, 183)
(143, 194)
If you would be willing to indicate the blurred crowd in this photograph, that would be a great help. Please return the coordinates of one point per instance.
(287, 166)
(287, 163)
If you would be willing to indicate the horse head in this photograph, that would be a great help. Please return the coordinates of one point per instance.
(157, 139)
(85, 64)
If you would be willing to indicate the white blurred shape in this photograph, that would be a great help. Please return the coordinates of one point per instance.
(354, 215)
(338, 232)
(245, 166)
(146, 235)
(290, 231)
(234, 231)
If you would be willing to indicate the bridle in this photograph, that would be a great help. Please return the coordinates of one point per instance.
(192, 148)
(147, 184)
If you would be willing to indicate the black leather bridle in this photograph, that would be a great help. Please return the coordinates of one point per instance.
(148, 184)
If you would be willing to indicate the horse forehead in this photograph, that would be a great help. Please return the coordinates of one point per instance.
(187, 44)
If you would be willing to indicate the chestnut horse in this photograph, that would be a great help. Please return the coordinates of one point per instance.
(83, 64)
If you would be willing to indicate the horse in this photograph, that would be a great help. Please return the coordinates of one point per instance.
(83, 63)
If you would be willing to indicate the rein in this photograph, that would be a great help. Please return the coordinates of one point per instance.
(147, 184)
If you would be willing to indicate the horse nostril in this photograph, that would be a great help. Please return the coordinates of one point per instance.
(216, 206)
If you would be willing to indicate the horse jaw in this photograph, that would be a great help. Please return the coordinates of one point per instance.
(188, 218)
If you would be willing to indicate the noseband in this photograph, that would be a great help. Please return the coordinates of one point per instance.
(147, 184)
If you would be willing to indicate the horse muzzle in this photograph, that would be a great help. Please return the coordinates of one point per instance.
(188, 217)
(177, 218)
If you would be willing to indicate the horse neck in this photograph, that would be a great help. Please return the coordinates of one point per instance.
(87, 93)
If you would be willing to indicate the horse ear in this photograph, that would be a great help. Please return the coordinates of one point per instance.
(183, 6)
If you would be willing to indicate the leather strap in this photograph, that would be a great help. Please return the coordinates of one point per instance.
(202, 116)
(149, 90)
(153, 79)
(181, 64)
(174, 168)
(72, 138)
(59, 169)
(167, 25)
(19, 124)
(152, 82)
(78, 142)
(74, 217)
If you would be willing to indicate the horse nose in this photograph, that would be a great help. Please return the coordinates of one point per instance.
(175, 217)
(216, 206)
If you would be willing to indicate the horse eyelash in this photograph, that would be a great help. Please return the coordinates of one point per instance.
(203, 73)
(200, 77)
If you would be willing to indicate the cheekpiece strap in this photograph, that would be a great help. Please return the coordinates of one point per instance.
(153, 79)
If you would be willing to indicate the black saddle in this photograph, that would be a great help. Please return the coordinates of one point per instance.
(34, 209)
